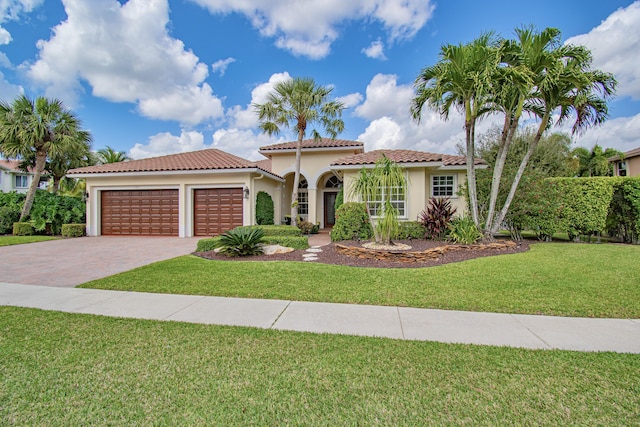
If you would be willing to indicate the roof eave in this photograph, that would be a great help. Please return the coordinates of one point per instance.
(176, 172)
(312, 149)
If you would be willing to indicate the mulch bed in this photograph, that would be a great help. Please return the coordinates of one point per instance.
(330, 255)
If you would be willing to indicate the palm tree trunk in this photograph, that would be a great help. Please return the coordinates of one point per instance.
(41, 159)
(296, 180)
(471, 172)
(519, 173)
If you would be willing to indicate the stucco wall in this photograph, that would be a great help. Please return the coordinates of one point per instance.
(185, 184)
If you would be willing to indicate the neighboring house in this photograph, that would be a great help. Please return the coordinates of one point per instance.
(629, 165)
(207, 192)
(13, 179)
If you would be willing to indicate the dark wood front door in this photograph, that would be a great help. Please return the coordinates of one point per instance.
(330, 208)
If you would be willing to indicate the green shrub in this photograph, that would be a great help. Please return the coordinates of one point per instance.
(305, 227)
(623, 220)
(73, 230)
(410, 230)
(339, 200)
(295, 242)
(264, 209)
(23, 229)
(436, 217)
(280, 230)
(209, 244)
(8, 215)
(51, 211)
(352, 222)
(241, 241)
(464, 230)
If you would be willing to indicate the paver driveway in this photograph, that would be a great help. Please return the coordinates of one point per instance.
(70, 262)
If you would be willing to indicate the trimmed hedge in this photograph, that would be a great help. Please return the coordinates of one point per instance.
(295, 242)
(352, 223)
(280, 230)
(264, 208)
(23, 229)
(209, 244)
(624, 213)
(73, 230)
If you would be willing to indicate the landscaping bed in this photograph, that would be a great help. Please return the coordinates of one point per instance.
(331, 254)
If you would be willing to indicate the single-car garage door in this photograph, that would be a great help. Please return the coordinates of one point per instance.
(139, 212)
(216, 210)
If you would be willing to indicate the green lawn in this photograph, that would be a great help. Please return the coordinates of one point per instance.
(60, 369)
(18, 240)
(564, 279)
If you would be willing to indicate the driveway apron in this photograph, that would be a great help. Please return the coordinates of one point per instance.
(70, 262)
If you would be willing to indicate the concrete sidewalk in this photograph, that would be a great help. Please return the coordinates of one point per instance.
(512, 330)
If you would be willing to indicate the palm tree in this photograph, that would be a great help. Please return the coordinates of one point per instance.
(109, 155)
(568, 86)
(462, 79)
(296, 104)
(595, 162)
(43, 128)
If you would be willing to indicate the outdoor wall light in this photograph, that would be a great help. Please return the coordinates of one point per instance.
(85, 196)
(246, 192)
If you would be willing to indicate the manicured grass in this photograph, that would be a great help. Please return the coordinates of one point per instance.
(18, 240)
(60, 369)
(562, 279)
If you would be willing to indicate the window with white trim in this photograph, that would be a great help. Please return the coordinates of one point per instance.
(443, 186)
(303, 198)
(397, 198)
(21, 181)
(622, 168)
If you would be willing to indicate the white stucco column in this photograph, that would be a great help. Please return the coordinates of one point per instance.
(313, 205)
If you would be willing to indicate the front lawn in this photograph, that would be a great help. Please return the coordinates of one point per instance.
(18, 240)
(59, 369)
(564, 279)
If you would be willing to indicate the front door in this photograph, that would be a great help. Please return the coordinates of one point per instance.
(330, 208)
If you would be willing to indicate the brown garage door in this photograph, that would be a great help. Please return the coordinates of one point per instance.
(216, 210)
(140, 212)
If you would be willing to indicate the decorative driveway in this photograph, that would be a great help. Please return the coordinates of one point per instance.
(70, 262)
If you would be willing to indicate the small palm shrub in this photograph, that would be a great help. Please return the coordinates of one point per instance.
(241, 241)
(464, 230)
(339, 199)
(352, 223)
(436, 217)
(264, 208)
(410, 230)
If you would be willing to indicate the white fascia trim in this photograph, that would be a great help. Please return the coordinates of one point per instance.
(316, 149)
(404, 165)
(461, 168)
(185, 172)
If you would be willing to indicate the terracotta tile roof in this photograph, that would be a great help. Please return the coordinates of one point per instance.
(264, 164)
(195, 160)
(311, 143)
(404, 156)
(631, 153)
(12, 165)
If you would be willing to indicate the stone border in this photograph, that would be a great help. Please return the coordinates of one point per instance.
(429, 254)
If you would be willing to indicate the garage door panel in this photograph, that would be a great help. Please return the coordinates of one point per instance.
(217, 210)
(140, 212)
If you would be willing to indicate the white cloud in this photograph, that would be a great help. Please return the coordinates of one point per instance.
(11, 10)
(351, 100)
(242, 142)
(166, 143)
(308, 28)
(620, 133)
(613, 43)
(375, 50)
(8, 90)
(221, 65)
(125, 54)
(245, 118)
(391, 127)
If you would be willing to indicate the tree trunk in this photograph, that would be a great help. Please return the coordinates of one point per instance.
(56, 184)
(519, 173)
(296, 181)
(41, 159)
(471, 172)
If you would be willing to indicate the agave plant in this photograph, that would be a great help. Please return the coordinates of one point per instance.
(241, 241)
(436, 217)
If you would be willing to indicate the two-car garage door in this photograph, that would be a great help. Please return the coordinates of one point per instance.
(156, 212)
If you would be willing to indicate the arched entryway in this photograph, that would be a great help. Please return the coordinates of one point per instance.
(330, 187)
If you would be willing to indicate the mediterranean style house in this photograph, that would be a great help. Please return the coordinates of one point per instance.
(12, 178)
(629, 165)
(208, 192)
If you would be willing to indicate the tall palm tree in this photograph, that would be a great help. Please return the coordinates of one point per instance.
(569, 87)
(595, 162)
(296, 104)
(43, 128)
(461, 79)
(109, 155)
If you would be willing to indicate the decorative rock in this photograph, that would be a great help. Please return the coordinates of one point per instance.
(316, 250)
(276, 249)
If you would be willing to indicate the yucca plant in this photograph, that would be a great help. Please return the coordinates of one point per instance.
(464, 230)
(436, 217)
(241, 241)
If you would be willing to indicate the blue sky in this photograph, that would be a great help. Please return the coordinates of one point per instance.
(153, 77)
